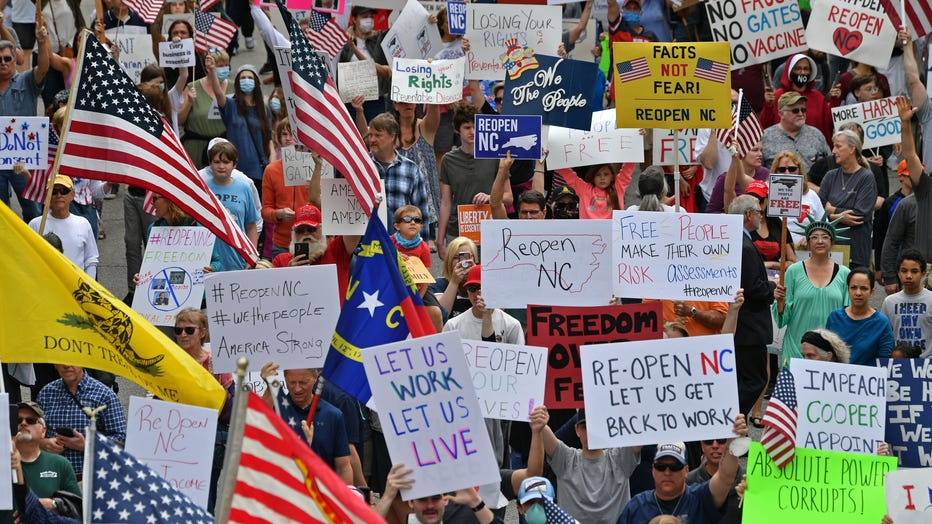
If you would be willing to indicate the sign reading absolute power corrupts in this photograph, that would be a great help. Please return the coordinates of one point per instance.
(672, 86)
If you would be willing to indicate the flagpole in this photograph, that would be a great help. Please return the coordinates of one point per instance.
(49, 185)
(227, 482)
(319, 388)
(735, 124)
(90, 444)
(676, 168)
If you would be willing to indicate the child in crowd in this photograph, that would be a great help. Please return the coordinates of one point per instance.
(407, 237)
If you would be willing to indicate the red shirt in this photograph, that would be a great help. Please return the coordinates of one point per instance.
(335, 254)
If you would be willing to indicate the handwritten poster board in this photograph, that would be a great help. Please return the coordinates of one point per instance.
(469, 217)
(879, 119)
(785, 199)
(172, 274)
(757, 31)
(341, 212)
(430, 414)
(422, 82)
(858, 31)
(559, 89)
(509, 378)
(498, 135)
(659, 390)
(909, 496)
(177, 54)
(287, 315)
(676, 256)
(667, 147)
(909, 421)
(603, 143)
(411, 36)
(841, 407)
(24, 139)
(456, 17)
(559, 262)
(358, 79)
(494, 29)
(562, 330)
(176, 441)
(297, 166)
(672, 86)
(135, 53)
(283, 64)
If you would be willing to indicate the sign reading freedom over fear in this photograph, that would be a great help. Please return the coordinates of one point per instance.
(564, 329)
(559, 89)
(909, 421)
(879, 119)
(671, 389)
(758, 30)
(509, 378)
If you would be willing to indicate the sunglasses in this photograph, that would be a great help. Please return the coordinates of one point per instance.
(27, 420)
(663, 466)
(797, 110)
(716, 441)
(787, 169)
(409, 219)
(301, 230)
(61, 190)
(6, 59)
(435, 498)
(189, 330)
(473, 288)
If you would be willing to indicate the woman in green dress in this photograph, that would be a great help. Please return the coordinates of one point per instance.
(200, 114)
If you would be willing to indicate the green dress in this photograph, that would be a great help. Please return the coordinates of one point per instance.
(198, 128)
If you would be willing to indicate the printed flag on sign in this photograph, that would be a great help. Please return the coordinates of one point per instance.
(211, 31)
(35, 191)
(633, 69)
(779, 438)
(711, 70)
(326, 34)
(745, 126)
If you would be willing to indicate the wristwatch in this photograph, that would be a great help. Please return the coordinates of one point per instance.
(692, 312)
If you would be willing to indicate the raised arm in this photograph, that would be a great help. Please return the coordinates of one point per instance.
(498, 187)
(724, 478)
(210, 66)
(43, 56)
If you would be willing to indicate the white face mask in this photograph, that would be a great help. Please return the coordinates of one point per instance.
(366, 25)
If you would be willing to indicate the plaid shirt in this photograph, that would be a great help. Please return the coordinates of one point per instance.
(404, 185)
(61, 411)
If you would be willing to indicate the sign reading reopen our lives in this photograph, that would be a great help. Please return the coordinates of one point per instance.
(603, 143)
(430, 415)
(909, 421)
(676, 256)
(909, 495)
(287, 315)
(498, 135)
(879, 119)
(667, 147)
(24, 139)
(493, 29)
(858, 30)
(757, 31)
(841, 407)
(509, 378)
(421, 82)
(659, 390)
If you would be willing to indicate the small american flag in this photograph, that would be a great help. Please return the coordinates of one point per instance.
(148, 10)
(211, 31)
(556, 514)
(633, 69)
(35, 191)
(779, 438)
(711, 70)
(207, 4)
(918, 13)
(326, 34)
(747, 128)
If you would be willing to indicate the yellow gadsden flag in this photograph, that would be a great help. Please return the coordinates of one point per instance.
(51, 311)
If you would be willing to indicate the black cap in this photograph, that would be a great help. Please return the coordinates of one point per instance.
(356, 11)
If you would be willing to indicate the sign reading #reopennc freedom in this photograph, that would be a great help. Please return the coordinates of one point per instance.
(757, 30)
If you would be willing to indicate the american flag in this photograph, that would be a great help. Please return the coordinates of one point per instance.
(326, 34)
(556, 514)
(633, 69)
(207, 4)
(148, 10)
(211, 31)
(918, 13)
(124, 490)
(323, 123)
(112, 134)
(711, 70)
(35, 191)
(279, 478)
(779, 438)
(746, 126)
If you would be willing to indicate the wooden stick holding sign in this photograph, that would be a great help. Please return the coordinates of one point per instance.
(785, 196)
(676, 172)
(782, 302)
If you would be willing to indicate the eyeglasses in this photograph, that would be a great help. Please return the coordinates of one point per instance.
(304, 230)
(716, 441)
(61, 190)
(797, 110)
(213, 50)
(409, 219)
(787, 169)
(461, 256)
(188, 330)
(674, 467)
(473, 288)
(6, 59)
(755, 211)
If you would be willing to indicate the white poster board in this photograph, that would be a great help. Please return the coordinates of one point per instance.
(422, 82)
(785, 199)
(283, 64)
(490, 26)
(177, 54)
(171, 277)
(358, 78)
(411, 35)
(297, 166)
(6, 488)
(287, 315)
(558, 262)
(908, 491)
(659, 390)
(676, 256)
(667, 146)
(758, 32)
(176, 441)
(509, 378)
(879, 119)
(857, 31)
(135, 53)
(430, 415)
(340, 209)
(841, 407)
(24, 139)
(602, 144)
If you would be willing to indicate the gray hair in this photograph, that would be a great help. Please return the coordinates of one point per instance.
(6, 44)
(853, 139)
(743, 204)
(842, 353)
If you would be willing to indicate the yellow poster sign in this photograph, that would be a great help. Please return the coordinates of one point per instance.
(672, 86)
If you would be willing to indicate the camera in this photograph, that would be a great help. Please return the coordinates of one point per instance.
(465, 263)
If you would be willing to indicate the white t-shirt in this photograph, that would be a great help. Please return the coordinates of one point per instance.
(77, 238)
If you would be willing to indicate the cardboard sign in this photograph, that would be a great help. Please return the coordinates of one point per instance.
(559, 262)
(469, 217)
(24, 139)
(422, 82)
(287, 315)
(559, 89)
(430, 414)
(562, 330)
(497, 135)
(757, 31)
(456, 17)
(909, 422)
(341, 211)
(672, 86)
(659, 390)
(856, 30)
(358, 78)
(500, 33)
(879, 119)
(603, 143)
(297, 166)
(841, 407)
(509, 378)
(135, 53)
(176, 441)
(785, 198)
(411, 35)
(909, 495)
(817, 486)
(420, 274)
(172, 274)
(676, 256)
(667, 147)
(177, 54)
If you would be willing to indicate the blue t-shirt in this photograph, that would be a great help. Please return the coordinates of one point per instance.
(694, 507)
(870, 338)
(246, 135)
(237, 198)
(329, 432)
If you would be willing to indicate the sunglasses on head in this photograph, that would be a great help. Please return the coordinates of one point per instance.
(27, 420)
(61, 190)
(716, 441)
(473, 288)
(787, 169)
(797, 110)
(188, 329)
(663, 466)
(409, 219)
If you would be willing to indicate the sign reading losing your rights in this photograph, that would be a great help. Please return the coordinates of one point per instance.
(422, 82)
(559, 89)
(757, 31)
(490, 27)
(497, 135)
(672, 86)
(879, 119)
(909, 422)
(603, 143)
(858, 30)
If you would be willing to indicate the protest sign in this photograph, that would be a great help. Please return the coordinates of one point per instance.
(757, 31)
(858, 30)
(497, 135)
(456, 17)
(469, 217)
(177, 54)
(24, 139)
(667, 147)
(419, 272)
(341, 211)
(171, 277)
(564, 329)
(603, 143)
(559, 89)
(283, 64)
(659, 390)
(559, 262)
(672, 86)
(430, 414)
(493, 29)
(509, 378)
(297, 166)
(879, 119)
(422, 82)
(358, 79)
(135, 52)
(909, 422)
(909, 496)
(287, 315)
(411, 35)
(176, 441)
(785, 199)
(6, 489)
(816, 487)
(676, 256)
(841, 406)
(330, 6)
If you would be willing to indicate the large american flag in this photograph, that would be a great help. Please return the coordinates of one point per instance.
(323, 123)
(779, 438)
(745, 128)
(918, 13)
(211, 31)
(112, 134)
(326, 34)
(35, 191)
(711, 70)
(148, 10)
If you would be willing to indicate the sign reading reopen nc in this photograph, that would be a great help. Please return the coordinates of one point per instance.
(496, 135)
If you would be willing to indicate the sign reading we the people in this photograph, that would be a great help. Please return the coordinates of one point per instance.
(509, 378)
(909, 421)
(672, 86)
(879, 119)
(603, 143)
(492, 27)
(758, 31)
(559, 89)
(858, 30)
(24, 139)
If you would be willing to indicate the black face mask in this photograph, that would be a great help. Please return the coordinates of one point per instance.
(799, 80)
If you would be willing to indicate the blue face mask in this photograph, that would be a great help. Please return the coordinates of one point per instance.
(631, 17)
(275, 105)
(535, 515)
(247, 85)
(223, 73)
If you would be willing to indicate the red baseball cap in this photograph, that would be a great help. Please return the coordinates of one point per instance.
(757, 188)
(307, 215)
(474, 276)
